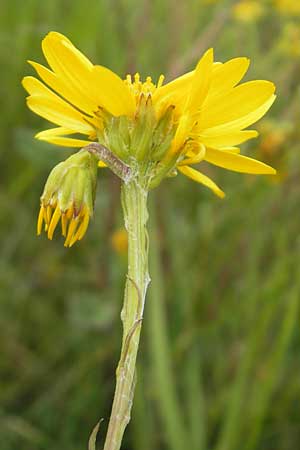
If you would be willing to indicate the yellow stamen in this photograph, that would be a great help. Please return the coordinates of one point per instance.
(160, 81)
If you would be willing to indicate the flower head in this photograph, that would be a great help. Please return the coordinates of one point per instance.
(248, 10)
(157, 129)
(288, 7)
(68, 197)
(289, 40)
(119, 241)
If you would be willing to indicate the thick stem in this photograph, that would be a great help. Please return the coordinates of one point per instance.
(134, 202)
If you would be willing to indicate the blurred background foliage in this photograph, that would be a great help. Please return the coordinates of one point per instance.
(219, 362)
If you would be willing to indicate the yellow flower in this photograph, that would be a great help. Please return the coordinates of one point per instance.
(273, 136)
(289, 41)
(162, 129)
(273, 143)
(119, 241)
(248, 11)
(290, 7)
(69, 196)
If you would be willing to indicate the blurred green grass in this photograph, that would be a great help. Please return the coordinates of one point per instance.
(219, 363)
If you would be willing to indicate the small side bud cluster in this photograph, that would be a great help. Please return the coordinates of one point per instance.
(69, 197)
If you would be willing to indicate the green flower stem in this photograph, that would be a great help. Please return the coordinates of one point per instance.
(134, 202)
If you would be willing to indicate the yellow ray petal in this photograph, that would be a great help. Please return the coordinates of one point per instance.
(226, 76)
(54, 221)
(58, 36)
(98, 84)
(231, 149)
(83, 227)
(81, 230)
(48, 215)
(40, 220)
(58, 131)
(116, 96)
(177, 91)
(223, 77)
(192, 157)
(230, 138)
(66, 142)
(35, 87)
(180, 86)
(200, 82)
(64, 224)
(199, 177)
(181, 134)
(70, 93)
(56, 113)
(238, 102)
(241, 122)
(70, 66)
(57, 136)
(237, 163)
(71, 231)
(52, 42)
(50, 106)
(177, 88)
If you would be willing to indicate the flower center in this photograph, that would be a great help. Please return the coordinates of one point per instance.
(147, 87)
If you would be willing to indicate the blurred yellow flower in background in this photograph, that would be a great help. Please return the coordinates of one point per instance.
(119, 241)
(291, 7)
(273, 140)
(289, 42)
(248, 10)
(272, 137)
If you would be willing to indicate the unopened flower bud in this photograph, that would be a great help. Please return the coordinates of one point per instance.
(69, 196)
